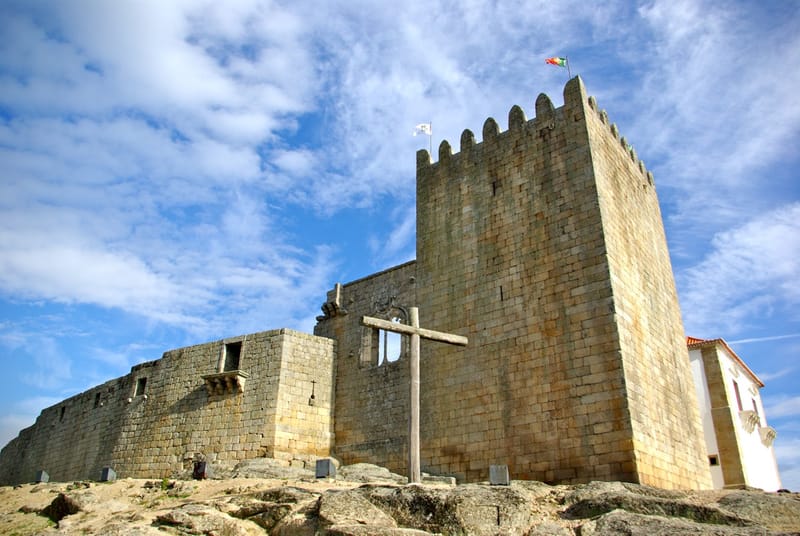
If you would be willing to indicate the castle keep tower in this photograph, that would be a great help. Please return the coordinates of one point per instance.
(544, 246)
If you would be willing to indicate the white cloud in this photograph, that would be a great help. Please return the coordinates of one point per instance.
(780, 407)
(769, 376)
(46, 365)
(395, 242)
(751, 271)
(722, 117)
(295, 162)
(98, 277)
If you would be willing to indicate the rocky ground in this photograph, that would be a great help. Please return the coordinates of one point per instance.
(259, 497)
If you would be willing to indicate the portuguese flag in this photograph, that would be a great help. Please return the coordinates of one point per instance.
(559, 62)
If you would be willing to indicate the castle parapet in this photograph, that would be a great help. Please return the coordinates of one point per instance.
(577, 106)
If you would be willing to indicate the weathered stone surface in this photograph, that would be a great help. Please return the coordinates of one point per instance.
(71, 502)
(351, 508)
(774, 511)
(622, 523)
(468, 509)
(549, 529)
(362, 530)
(268, 508)
(162, 429)
(602, 497)
(367, 472)
(316, 507)
(269, 468)
(204, 519)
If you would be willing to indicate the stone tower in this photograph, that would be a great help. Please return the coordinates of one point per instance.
(543, 245)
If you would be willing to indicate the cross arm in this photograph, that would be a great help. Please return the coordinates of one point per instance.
(405, 329)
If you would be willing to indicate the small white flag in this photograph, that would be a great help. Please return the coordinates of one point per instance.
(423, 128)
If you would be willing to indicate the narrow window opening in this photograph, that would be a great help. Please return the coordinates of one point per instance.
(494, 187)
(738, 396)
(96, 399)
(141, 386)
(389, 345)
(501, 293)
(63, 409)
(233, 352)
(713, 460)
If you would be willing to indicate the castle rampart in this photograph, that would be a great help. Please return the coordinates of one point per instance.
(223, 401)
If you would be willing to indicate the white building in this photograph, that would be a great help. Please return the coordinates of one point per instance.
(738, 439)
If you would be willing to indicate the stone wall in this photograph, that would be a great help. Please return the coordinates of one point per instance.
(371, 397)
(71, 439)
(662, 402)
(160, 418)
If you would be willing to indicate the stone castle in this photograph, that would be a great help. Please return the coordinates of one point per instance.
(542, 244)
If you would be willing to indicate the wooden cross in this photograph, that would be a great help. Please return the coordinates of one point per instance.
(416, 333)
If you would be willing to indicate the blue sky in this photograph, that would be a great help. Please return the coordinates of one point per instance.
(177, 172)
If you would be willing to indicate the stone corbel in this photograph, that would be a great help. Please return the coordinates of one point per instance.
(333, 307)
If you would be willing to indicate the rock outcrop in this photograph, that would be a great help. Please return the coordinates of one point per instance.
(355, 504)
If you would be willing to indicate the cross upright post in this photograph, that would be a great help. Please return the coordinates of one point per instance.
(416, 333)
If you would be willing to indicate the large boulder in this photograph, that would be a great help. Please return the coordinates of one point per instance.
(367, 472)
(349, 507)
(623, 523)
(469, 509)
(599, 498)
(205, 519)
(774, 511)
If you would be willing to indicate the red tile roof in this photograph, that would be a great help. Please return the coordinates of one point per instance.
(694, 342)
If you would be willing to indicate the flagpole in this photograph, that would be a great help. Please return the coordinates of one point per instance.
(430, 140)
(569, 72)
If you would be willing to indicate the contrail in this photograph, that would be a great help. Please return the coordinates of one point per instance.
(762, 339)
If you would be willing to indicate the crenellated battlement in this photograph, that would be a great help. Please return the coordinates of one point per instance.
(623, 143)
(548, 118)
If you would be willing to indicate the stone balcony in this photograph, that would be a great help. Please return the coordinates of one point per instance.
(768, 435)
(750, 420)
(228, 382)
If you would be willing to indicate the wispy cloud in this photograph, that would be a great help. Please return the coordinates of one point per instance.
(47, 367)
(769, 376)
(750, 271)
(723, 118)
(782, 406)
